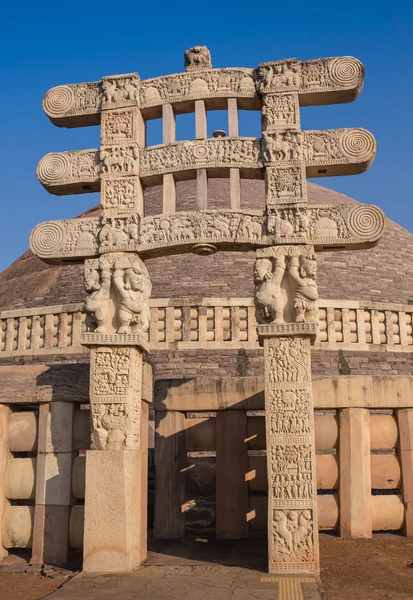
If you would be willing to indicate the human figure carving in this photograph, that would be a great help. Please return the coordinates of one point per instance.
(268, 299)
(303, 273)
(97, 284)
(133, 288)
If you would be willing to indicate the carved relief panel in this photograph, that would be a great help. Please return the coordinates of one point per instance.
(292, 495)
(280, 111)
(119, 126)
(115, 394)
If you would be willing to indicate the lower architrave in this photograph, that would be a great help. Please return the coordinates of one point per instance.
(292, 488)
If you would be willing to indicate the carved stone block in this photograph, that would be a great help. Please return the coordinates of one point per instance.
(280, 111)
(119, 160)
(138, 340)
(285, 185)
(120, 90)
(121, 196)
(198, 57)
(278, 76)
(115, 396)
(119, 126)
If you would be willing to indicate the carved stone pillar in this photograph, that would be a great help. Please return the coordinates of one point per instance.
(286, 306)
(115, 519)
(115, 510)
(289, 416)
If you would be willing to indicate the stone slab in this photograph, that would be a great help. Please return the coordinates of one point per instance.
(112, 511)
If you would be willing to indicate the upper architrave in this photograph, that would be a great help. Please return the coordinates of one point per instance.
(326, 227)
(324, 153)
(319, 81)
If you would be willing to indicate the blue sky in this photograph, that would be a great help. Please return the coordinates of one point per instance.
(43, 44)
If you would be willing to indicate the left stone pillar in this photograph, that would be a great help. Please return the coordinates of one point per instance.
(115, 512)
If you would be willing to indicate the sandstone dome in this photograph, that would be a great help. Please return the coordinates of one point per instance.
(377, 274)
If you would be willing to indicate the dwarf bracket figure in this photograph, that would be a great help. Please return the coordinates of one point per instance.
(303, 273)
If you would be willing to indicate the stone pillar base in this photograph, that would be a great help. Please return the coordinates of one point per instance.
(112, 538)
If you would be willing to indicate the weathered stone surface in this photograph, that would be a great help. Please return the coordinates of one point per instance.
(112, 497)
(20, 478)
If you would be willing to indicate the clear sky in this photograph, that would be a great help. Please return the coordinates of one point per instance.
(43, 44)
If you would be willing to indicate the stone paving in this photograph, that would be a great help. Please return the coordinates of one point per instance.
(194, 570)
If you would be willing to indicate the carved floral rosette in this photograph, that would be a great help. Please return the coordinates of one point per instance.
(292, 495)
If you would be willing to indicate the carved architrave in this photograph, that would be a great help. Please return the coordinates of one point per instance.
(211, 153)
(292, 488)
(345, 225)
(325, 153)
(67, 104)
(214, 83)
(319, 81)
(115, 397)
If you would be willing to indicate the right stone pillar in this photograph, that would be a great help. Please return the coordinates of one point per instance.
(289, 416)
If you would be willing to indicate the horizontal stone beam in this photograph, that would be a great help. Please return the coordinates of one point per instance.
(325, 226)
(215, 153)
(319, 81)
(324, 153)
(247, 393)
(63, 173)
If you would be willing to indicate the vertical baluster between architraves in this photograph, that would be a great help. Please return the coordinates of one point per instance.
(201, 133)
(123, 134)
(168, 137)
(234, 174)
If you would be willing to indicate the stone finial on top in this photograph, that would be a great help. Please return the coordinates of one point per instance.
(198, 57)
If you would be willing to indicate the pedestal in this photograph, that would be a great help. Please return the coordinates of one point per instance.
(289, 417)
(115, 506)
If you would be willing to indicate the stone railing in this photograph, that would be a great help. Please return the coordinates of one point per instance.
(214, 323)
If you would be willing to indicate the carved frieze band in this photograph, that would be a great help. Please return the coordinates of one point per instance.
(348, 225)
(318, 81)
(346, 151)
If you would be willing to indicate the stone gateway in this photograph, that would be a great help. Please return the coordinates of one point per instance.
(120, 326)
